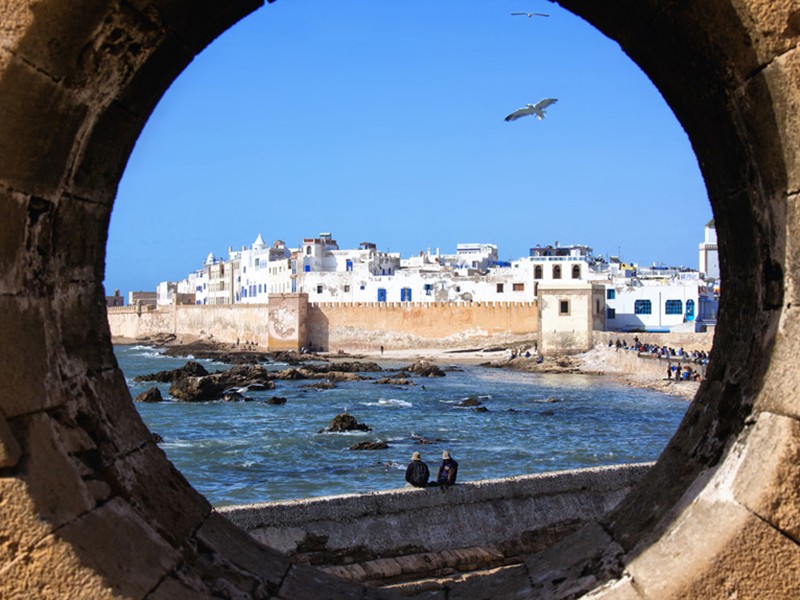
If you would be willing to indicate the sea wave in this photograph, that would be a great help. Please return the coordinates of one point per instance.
(388, 402)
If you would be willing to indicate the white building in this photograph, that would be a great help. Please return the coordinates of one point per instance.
(709, 253)
(680, 303)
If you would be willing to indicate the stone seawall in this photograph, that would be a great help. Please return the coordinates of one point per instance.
(342, 326)
(512, 516)
(360, 326)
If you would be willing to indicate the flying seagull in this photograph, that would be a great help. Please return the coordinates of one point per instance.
(529, 15)
(532, 109)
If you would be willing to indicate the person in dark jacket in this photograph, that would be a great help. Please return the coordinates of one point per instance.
(417, 473)
(447, 471)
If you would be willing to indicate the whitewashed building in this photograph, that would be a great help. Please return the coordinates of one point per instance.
(709, 253)
(681, 303)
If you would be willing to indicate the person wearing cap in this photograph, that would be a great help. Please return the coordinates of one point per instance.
(447, 471)
(417, 473)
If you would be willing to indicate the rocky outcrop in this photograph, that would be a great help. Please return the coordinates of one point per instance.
(366, 445)
(423, 368)
(345, 422)
(394, 381)
(190, 369)
(151, 395)
(471, 401)
(275, 400)
(214, 386)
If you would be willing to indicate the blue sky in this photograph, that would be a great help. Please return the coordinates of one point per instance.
(383, 121)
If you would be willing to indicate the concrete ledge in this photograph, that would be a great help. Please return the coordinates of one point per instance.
(525, 513)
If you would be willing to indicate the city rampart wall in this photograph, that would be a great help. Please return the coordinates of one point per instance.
(331, 326)
(534, 510)
(401, 325)
(224, 323)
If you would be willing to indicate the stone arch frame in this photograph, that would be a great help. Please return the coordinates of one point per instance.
(717, 515)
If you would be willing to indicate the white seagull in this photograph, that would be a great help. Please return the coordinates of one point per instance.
(529, 15)
(532, 109)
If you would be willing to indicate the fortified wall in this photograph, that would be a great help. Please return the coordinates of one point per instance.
(328, 326)
(408, 325)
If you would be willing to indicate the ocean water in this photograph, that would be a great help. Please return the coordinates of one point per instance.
(241, 452)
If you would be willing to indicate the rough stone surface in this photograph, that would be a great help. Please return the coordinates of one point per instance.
(9, 448)
(768, 482)
(76, 83)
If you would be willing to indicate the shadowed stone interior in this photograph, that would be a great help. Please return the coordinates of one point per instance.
(92, 508)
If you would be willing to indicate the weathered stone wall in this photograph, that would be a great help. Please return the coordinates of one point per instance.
(408, 325)
(332, 327)
(92, 508)
(518, 512)
(224, 323)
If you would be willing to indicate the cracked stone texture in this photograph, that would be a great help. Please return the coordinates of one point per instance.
(77, 82)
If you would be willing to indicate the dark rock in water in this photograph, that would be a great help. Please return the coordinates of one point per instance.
(480, 409)
(342, 376)
(547, 413)
(259, 387)
(290, 357)
(198, 389)
(551, 400)
(394, 381)
(380, 445)
(157, 439)
(345, 422)
(151, 395)
(423, 368)
(235, 396)
(471, 401)
(213, 386)
(321, 385)
(453, 369)
(276, 400)
(190, 369)
(423, 440)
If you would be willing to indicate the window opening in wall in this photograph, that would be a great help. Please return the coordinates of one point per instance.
(690, 310)
(537, 272)
(642, 307)
(611, 313)
(319, 289)
(563, 307)
(346, 288)
(381, 295)
(611, 294)
(557, 272)
(405, 295)
(673, 307)
(499, 288)
(576, 272)
(428, 289)
(518, 287)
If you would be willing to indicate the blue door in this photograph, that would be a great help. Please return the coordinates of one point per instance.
(405, 295)
(381, 295)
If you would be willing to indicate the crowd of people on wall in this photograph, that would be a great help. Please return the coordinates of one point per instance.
(675, 372)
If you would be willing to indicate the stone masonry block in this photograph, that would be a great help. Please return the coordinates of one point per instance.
(13, 218)
(9, 448)
(23, 347)
(21, 527)
(768, 481)
(39, 125)
(59, 31)
(117, 544)
(777, 394)
(54, 481)
(233, 543)
(52, 571)
(307, 583)
(718, 550)
(155, 487)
